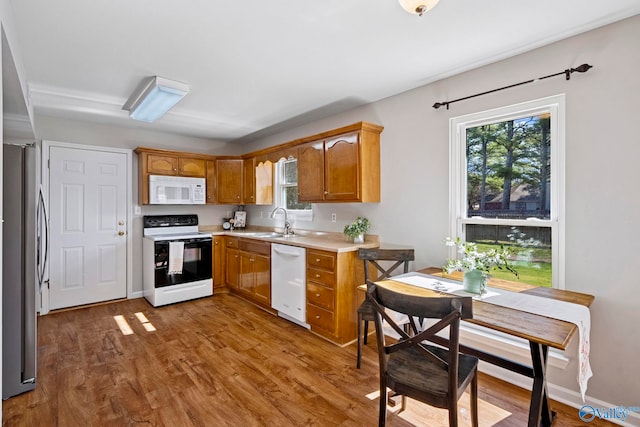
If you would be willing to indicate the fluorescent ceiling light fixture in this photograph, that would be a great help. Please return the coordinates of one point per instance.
(154, 97)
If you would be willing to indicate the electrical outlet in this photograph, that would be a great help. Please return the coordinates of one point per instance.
(333, 217)
(137, 210)
(228, 214)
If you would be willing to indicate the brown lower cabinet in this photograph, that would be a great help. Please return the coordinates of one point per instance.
(332, 279)
(218, 276)
(332, 298)
(248, 269)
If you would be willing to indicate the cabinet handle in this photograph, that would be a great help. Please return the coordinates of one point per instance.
(317, 259)
(317, 317)
(317, 275)
(317, 295)
(326, 192)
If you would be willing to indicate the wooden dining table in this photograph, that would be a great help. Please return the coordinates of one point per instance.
(541, 332)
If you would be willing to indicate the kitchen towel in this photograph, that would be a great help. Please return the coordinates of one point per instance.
(176, 257)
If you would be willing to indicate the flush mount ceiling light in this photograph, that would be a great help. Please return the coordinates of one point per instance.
(154, 97)
(418, 7)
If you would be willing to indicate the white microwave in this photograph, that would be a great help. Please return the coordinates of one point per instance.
(176, 190)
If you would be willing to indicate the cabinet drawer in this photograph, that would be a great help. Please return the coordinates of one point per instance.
(320, 317)
(320, 296)
(231, 242)
(255, 246)
(321, 276)
(323, 260)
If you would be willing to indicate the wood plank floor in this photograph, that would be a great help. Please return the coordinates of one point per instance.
(218, 362)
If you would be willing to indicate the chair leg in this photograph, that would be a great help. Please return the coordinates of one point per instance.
(453, 413)
(366, 331)
(359, 340)
(382, 415)
(474, 400)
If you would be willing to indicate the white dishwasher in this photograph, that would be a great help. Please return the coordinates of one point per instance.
(288, 282)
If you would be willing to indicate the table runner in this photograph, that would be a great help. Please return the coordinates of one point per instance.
(561, 310)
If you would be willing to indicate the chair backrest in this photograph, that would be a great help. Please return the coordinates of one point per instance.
(372, 257)
(449, 309)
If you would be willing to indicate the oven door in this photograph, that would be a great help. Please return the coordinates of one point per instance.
(196, 262)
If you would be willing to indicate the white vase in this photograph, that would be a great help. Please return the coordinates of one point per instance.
(359, 238)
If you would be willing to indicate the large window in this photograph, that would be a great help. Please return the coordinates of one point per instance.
(507, 185)
(287, 190)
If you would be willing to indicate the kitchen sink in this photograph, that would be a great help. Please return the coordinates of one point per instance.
(269, 234)
(266, 234)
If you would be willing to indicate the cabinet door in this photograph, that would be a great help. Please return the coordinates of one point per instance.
(232, 270)
(311, 172)
(218, 262)
(211, 181)
(264, 183)
(342, 168)
(249, 181)
(262, 280)
(192, 167)
(158, 164)
(229, 180)
(246, 281)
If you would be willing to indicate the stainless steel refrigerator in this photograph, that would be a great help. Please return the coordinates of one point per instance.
(23, 266)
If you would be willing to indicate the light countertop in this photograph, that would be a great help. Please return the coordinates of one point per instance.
(324, 241)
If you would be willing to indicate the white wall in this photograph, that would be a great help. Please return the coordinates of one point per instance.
(602, 174)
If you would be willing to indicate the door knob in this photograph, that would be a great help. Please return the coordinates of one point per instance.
(120, 233)
(120, 222)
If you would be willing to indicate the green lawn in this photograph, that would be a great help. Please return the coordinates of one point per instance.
(537, 271)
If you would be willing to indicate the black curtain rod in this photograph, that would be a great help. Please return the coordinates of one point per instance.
(581, 69)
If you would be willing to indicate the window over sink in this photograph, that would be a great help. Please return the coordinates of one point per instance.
(286, 190)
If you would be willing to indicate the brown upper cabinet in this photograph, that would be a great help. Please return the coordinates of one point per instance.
(164, 162)
(249, 181)
(311, 161)
(343, 168)
(229, 181)
(339, 165)
(211, 182)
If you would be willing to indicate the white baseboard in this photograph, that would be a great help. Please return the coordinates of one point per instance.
(560, 394)
(137, 294)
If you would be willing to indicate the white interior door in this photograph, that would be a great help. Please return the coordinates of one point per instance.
(88, 209)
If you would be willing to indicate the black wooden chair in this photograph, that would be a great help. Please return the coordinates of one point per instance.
(372, 259)
(410, 367)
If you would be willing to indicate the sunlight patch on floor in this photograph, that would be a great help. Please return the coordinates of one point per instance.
(145, 322)
(126, 329)
(123, 325)
(420, 414)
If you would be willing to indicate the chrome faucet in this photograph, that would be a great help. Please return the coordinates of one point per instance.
(287, 226)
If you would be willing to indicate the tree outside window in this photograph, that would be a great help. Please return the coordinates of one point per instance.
(508, 185)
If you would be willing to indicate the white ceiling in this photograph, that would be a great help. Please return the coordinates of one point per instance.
(253, 65)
